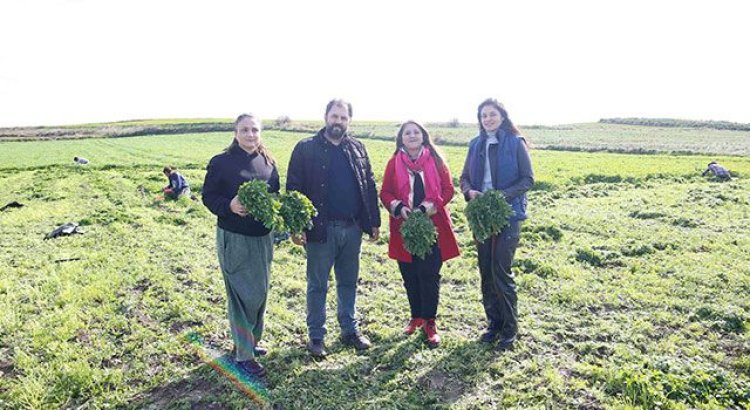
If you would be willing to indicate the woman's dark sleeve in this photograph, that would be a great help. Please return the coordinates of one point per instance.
(525, 174)
(213, 198)
(274, 184)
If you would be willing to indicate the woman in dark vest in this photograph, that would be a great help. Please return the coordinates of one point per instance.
(498, 158)
(417, 179)
(244, 245)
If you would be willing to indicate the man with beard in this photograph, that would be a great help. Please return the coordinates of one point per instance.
(333, 170)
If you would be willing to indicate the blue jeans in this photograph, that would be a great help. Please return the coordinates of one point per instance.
(340, 251)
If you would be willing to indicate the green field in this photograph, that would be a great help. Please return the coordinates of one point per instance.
(590, 137)
(633, 274)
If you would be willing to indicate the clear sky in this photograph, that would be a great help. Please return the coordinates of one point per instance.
(549, 62)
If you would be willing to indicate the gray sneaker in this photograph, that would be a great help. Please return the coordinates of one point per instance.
(358, 340)
(316, 347)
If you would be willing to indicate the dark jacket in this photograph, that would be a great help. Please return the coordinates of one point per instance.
(718, 171)
(513, 176)
(224, 175)
(308, 174)
(177, 182)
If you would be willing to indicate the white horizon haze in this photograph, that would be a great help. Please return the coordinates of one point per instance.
(83, 61)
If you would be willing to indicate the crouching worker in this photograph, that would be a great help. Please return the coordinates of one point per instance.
(178, 186)
(719, 172)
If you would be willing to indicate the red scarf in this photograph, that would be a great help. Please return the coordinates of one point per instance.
(425, 163)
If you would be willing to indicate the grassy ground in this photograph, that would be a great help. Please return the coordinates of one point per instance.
(633, 273)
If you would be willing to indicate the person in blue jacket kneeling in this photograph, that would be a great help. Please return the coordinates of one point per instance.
(178, 186)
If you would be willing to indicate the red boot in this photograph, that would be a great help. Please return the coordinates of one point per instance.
(414, 324)
(430, 331)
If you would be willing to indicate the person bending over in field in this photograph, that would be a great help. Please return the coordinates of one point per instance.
(498, 158)
(178, 186)
(244, 245)
(417, 179)
(718, 171)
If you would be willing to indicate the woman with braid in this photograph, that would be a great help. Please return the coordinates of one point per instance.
(244, 245)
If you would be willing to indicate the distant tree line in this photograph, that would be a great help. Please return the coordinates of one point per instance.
(671, 122)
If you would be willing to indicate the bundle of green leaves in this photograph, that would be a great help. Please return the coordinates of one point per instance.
(297, 211)
(488, 214)
(261, 204)
(419, 234)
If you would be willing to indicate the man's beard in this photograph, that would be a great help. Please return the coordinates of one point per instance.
(335, 131)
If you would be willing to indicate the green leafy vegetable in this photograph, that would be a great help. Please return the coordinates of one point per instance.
(297, 211)
(419, 234)
(261, 204)
(488, 214)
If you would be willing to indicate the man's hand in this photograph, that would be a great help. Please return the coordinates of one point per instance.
(300, 239)
(473, 194)
(405, 211)
(375, 234)
(237, 207)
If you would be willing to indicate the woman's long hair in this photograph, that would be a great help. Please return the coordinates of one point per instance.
(262, 150)
(426, 141)
(507, 123)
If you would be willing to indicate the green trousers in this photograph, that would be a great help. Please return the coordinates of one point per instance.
(246, 265)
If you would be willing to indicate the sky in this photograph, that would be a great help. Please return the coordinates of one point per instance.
(549, 62)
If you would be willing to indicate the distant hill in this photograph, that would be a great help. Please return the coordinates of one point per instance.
(671, 122)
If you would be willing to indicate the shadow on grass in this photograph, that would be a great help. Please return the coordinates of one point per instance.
(206, 387)
(398, 373)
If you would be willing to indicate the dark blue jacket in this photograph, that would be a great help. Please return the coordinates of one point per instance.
(177, 182)
(514, 175)
(224, 175)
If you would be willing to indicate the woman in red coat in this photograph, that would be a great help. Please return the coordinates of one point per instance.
(417, 179)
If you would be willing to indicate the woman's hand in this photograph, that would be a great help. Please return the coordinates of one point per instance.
(429, 208)
(237, 207)
(473, 194)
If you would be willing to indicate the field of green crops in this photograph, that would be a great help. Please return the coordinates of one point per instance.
(598, 137)
(633, 274)
(589, 137)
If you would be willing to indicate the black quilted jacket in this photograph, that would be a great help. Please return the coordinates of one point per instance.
(308, 171)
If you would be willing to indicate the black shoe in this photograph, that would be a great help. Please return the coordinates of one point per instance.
(506, 343)
(316, 347)
(489, 335)
(253, 369)
(359, 341)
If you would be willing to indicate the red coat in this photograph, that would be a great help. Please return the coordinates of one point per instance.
(446, 238)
